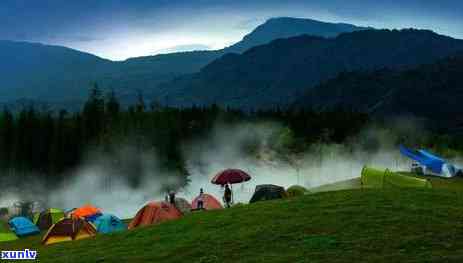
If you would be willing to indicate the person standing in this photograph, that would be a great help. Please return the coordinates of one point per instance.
(172, 198)
(227, 196)
(201, 199)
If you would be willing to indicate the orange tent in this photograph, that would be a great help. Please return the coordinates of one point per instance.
(153, 213)
(209, 202)
(86, 211)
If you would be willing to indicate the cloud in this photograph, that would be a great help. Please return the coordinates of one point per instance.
(183, 48)
(72, 38)
(249, 24)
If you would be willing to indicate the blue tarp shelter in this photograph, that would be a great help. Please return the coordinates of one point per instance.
(427, 159)
(22, 226)
(108, 223)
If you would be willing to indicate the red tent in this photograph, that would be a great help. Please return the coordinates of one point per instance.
(209, 203)
(153, 213)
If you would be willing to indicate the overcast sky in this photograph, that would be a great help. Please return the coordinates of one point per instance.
(120, 29)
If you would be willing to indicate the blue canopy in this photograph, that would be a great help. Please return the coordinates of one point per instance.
(22, 226)
(424, 158)
(93, 218)
(108, 223)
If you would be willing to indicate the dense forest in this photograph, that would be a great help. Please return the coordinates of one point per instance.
(51, 144)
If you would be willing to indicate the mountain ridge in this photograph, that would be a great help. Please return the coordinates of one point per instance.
(272, 74)
(47, 78)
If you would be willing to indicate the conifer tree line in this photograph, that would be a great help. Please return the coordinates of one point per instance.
(50, 144)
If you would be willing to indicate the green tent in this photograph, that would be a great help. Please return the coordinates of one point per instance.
(4, 237)
(47, 218)
(5, 233)
(296, 190)
(398, 180)
(374, 178)
(265, 192)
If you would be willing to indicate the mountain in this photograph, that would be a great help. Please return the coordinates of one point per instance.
(274, 74)
(36, 71)
(59, 74)
(433, 92)
(286, 27)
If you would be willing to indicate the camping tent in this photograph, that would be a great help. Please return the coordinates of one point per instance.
(183, 205)
(296, 190)
(6, 234)
(373, 178)
(22, 226)
(68, 229)
(89, 212)
(153, 213)
(209, 203)
(108, 223)
(47, 218)
(267, 192)
(430, 163)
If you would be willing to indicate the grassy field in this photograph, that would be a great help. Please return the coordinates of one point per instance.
(345, 226)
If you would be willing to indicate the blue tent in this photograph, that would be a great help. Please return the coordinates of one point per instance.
(424, 158)
(108, 223)
(23, 226)
(93, 218)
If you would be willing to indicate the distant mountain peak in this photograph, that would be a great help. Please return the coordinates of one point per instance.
(285, 27)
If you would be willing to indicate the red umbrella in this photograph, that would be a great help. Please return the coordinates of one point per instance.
(230, 176)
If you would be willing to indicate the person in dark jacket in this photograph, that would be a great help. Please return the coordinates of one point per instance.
(227, 196)
(172, 197)
(201, 199)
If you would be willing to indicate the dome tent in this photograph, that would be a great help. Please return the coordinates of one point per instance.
(108, 223)
(68, 229)
(89, 212)
(209, 203)
(296, 190)
(45, 219)
(265, 192)
(153, 213)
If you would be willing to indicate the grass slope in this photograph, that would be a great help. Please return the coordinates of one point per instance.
(344, 226)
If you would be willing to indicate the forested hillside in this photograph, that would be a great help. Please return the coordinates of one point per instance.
(433, 92)
(277, 73)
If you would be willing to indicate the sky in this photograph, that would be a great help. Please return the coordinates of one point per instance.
(117, 29)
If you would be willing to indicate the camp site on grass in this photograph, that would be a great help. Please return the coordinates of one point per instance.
(88, 221)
